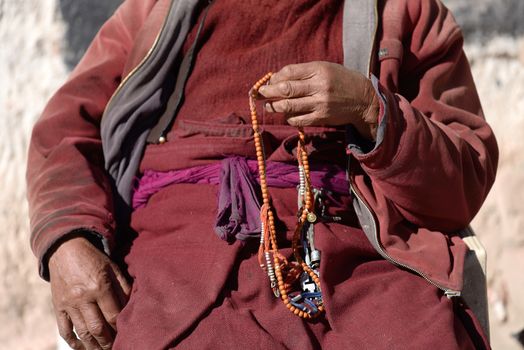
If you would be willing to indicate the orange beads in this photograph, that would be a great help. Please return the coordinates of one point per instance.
(269, 224)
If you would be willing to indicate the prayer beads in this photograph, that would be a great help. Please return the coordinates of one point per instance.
(303, 304)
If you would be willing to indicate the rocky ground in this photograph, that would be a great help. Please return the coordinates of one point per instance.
(42, 39)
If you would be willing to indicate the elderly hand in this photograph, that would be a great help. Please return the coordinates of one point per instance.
(323, 94)
(88, 292)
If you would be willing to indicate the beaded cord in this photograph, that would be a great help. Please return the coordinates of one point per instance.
(287, 273)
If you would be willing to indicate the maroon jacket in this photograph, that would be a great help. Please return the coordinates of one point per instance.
(425, 179)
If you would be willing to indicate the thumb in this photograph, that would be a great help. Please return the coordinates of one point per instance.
(123, 288)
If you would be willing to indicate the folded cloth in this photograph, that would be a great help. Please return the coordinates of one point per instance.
(238, 199)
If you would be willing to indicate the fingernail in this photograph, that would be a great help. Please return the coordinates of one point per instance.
(261, 89)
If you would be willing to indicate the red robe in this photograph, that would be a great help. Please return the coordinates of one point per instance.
(191, 289)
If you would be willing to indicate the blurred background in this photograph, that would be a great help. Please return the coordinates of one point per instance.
(40, 42)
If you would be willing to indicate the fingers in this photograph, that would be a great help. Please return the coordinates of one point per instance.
(121, 285)
(97, 326)
(294, 80)
(88, 341)
(306, 111)
(65, 329)
(94, 322)
(89, 291)
(110, 306)
(113, 300)
(310, 119)
(323, 94)
(299, 71)
(288, 89)
(291, 106)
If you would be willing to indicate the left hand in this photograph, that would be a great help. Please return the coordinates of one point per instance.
(88, 291)
(323, 94)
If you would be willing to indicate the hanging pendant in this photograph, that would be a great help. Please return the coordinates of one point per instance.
(311, 217)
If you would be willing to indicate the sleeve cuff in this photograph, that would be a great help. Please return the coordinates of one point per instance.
(360, 146)
(97, 239)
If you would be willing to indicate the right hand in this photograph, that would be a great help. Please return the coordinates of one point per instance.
(88, 292)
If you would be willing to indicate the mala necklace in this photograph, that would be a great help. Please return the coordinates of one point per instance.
(284, 275)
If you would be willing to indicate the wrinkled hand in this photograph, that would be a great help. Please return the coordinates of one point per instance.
(323, 94)
(88, 292)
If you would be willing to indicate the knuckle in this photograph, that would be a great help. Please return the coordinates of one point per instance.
(285, 88)
(96, 329)
(287, 107)
(76, 292)
(287, 71)
(86, 291)
(83, 334)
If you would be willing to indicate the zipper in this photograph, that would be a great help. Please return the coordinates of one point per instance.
(448, 292)
(141, 63)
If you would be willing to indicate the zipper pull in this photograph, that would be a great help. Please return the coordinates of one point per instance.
(452, 293)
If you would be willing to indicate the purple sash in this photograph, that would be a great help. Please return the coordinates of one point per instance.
(238, 201)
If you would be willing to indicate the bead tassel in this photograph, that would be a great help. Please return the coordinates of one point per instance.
(284, 272)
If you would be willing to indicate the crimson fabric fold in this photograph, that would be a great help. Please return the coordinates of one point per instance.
(238, 199)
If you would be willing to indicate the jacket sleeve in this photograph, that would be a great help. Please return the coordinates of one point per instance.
(68, 189)
(435, 158)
